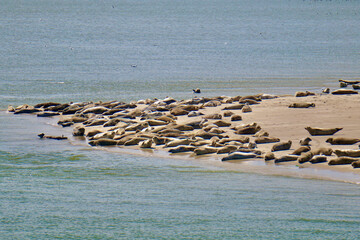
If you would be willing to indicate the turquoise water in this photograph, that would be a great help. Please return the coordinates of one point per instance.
(128, 50)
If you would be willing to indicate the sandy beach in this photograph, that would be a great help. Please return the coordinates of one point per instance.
(134, 126)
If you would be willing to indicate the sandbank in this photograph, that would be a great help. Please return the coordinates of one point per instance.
(272, 115)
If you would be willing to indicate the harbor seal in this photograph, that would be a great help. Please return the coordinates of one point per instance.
(281, 146)
(347, 153)
(342, 161)
(305, 157)
(286, 158)
(322, 131)
(182, 148)
(178, 142)
(344, 91)
(269, 156)
(239, 156)
(260, 140)
(318, 159)
(227, 149)
(205, 150)
(246, 108)
(305, 141)
(221, 123)
(43, 136)
(103, 142)
(301, 150)
(302, 105)
(342, 141)
(78, 131)
(235, 117)
(356, 164)
(146, 144)
(323, 151)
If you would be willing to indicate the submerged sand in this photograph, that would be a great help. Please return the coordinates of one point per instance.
(273, 116)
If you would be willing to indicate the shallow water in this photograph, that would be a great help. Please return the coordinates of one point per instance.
(52, 189)
(129, 50)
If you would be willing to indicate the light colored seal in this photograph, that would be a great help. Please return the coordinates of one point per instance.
(322, 131)
(342, 141)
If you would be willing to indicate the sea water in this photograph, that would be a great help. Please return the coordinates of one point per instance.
(128, 50)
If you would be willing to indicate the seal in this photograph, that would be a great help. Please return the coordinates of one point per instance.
(356, 164)
(304, 94)
(227, 149)
(349, 82)
(103, 142)
(196, 90)
(305, 157)
(342, 141)
(235, 117)
(261, 133)
(239, 156)
(134, 141)
(344, 91)
(221, 123)
(228, 113)
(269, 156)
(42, 135)
(182, 148)
(301, 150)
(178, 142)
(205, 150)
(323, 151)
(146, 144)
(286, 158)
(302, 105)
(342, 161)
(260, 140)
(281, 146)
(234, 107)
(322, 131)
(78, 131)
(347, 153)
(246, 108)
(305, 141)
(318, 159)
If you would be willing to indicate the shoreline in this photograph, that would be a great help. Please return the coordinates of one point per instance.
(271, 114)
